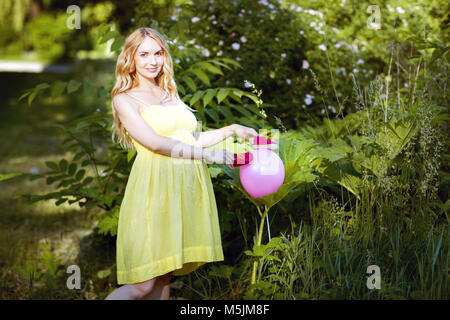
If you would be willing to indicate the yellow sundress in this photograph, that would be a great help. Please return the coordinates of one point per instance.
(168, 218)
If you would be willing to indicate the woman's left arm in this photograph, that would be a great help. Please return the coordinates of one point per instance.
(212, 137)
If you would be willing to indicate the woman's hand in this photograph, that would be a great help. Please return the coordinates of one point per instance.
(220, 156)
(244, 132)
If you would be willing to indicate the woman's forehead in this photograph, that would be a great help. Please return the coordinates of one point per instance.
(149, 44)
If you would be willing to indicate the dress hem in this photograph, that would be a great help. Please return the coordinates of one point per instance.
(181, 264)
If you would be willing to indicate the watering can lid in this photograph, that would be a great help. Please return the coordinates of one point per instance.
(261, 141)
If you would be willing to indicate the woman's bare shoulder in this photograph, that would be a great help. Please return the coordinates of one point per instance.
(122, 103)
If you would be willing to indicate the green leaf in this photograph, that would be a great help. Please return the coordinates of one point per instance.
(5, 176)
(52, 165)
(80, 174)
(32, 96)
(63, 165)
(213, 114)
(222, 94)
(190, 83)
(109, 223)
(57, 88)
(87, 181)
(73, 86)
(252, 96)
(103, 273)
(208, 96)
(208, 66)
(196, 97)
(78, 156)
(131, 154)
(109, 35)
(72, 169)
(117, 44)
(201, 75)
(88, 90)
(61, 201)
(24, 95)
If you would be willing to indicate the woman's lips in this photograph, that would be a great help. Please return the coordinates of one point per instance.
(152, 70)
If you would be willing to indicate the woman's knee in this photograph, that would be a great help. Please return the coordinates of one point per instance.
(165, 277)
(141, 289)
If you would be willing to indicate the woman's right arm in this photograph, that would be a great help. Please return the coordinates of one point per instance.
(145, 135)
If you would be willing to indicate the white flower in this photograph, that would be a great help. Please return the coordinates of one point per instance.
(195, 19)
(196, 46)
(236, 46)
(312, 24)
(214, 22)
(302, 32)
(305, 64)
(299, 9)
(406, 85)
(288, 81)
(191, 41)
(276, 39)
(238, 58)
(283, 55)
(405, 23)
(355, 70)
(219, 53)
(400, 10)
(335, 29)
(323, 47)
(303, 106)
(181, 47)
(308, 99)
(172, 18)
(177, 60)
(390, 8)
(322, 111)
(212, 17)
(360, 61)
(243, 39)
(205, 52)
(320, 24)
(34, 170)
(221, 43)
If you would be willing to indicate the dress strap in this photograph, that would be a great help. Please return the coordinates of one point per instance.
(136, 98)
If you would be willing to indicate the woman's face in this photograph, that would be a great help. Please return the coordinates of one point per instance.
(149, 58)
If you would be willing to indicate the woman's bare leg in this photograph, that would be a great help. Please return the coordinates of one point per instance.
(134, 291)
(161, 290)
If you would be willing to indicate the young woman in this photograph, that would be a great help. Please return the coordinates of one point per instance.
(168, 222)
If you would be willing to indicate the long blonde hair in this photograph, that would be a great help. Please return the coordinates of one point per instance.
(126, 77)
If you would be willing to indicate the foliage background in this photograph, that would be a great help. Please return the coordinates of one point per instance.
(363, 117)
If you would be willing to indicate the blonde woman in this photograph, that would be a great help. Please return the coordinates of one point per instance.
(168, 222)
